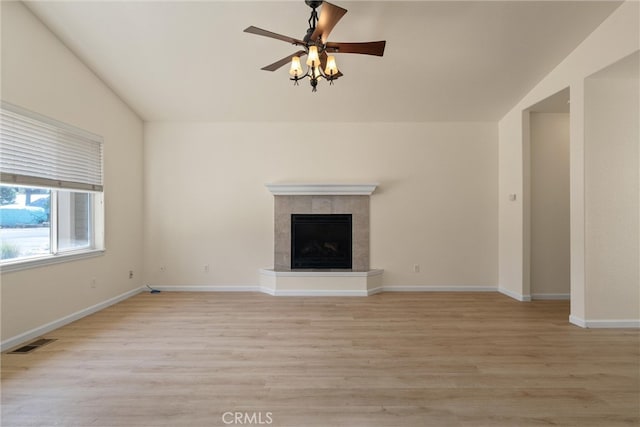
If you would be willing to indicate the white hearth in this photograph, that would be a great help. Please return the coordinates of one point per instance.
(321, 283)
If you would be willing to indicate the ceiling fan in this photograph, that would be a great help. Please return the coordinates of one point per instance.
(315, 45)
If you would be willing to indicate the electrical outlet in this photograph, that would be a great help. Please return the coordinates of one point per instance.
(163, 269)
(416, 268)
(130, 274)
(93, 283)
(206, 268)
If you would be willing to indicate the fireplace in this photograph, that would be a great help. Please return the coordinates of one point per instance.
(321, 241)
(321, 199)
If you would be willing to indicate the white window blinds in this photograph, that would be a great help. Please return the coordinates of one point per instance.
(39, 151)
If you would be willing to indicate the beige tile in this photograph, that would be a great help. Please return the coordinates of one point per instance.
(360, 234)
(340, 205)
(321, 205)
(282, 221)
(358, 206)
(282, 261)
(301, 204)
(282, 203)
(282, 243)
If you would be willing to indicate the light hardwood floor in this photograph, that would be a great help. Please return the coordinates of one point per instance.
(393, 359)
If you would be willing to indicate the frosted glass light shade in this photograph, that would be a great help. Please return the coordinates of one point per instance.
(296, 68)
(331, 68)
(313, 58)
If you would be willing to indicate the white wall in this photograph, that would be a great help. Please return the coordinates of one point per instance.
(616, 38)
(206, 202)
(40, 74)
(550, 253)
(612, 198)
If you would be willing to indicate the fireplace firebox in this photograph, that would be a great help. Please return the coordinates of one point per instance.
(321, 241)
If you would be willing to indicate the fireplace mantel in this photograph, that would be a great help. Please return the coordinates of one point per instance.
(317, 189)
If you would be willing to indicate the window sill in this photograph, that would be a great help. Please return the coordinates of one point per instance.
(27, 264)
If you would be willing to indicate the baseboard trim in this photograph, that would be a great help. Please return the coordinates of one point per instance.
(515, 295)
(551, 296)
(605, 324)
(46, 328)
(578, 321)
(210, 288)
(425, 288)
(318, 293)
(265, 290)
(310, 292)
(374, 291)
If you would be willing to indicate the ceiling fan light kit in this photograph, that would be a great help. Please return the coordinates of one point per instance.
(320, 65)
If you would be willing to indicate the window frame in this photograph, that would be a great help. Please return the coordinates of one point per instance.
(55, 256)
(21, 133)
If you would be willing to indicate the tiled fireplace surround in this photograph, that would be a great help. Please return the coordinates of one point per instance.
(321, 199)
(357, 206)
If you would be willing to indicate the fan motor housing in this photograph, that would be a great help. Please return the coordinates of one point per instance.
(313, 4)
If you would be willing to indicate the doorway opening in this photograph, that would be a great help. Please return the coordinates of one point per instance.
(547, 195)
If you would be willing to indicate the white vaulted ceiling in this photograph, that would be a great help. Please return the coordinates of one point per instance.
(444, 60)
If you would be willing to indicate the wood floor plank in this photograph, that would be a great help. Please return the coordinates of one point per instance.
(393, 359)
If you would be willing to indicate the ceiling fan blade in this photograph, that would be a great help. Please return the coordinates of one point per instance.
(365, 48)
(265, 33)
(329, 17)
(283, 61)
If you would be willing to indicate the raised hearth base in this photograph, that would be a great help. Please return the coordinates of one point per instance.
(320, 282)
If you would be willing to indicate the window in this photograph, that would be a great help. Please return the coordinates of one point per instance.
(51, 201)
